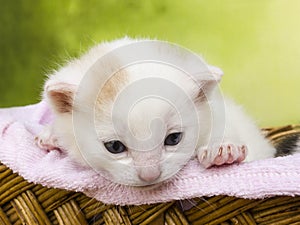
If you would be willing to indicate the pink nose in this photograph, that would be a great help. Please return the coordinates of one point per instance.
(149, 174)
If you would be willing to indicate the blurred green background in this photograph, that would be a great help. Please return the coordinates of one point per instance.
(256, 43)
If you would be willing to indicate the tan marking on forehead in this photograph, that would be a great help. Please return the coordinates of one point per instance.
(111, 89)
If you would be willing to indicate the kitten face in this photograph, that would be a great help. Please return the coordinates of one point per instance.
(140, 126)
(148, 135)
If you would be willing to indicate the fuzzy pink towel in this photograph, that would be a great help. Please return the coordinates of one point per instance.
(18, 127)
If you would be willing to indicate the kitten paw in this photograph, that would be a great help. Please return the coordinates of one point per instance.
(46, 141)
(223, 154)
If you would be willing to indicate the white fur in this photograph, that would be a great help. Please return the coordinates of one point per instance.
(128, 167)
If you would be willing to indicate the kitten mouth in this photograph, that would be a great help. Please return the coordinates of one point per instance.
(148, 186)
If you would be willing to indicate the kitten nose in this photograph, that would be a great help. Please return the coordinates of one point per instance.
(149, 174)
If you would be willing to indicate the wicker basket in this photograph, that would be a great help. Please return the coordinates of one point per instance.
(22, 202)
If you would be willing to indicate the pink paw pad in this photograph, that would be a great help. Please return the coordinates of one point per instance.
(46, 144)
(224, 154)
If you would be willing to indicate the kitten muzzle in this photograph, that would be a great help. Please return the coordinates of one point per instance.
(149, 173)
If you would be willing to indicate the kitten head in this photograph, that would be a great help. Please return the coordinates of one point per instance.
(141, 127)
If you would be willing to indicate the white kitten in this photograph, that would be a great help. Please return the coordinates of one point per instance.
(147, 120)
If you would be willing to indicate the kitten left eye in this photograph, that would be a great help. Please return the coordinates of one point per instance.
(115, 147)
(173, 139)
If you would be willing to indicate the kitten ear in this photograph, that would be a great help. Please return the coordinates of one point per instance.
(208, 83)
(216, 72)
(61, 96)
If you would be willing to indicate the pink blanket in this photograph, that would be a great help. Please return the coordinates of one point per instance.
(18, 127)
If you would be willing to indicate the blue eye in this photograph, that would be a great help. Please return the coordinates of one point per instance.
(173, 139)
(115, 147)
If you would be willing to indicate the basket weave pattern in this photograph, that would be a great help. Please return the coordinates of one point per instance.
(22, 202)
